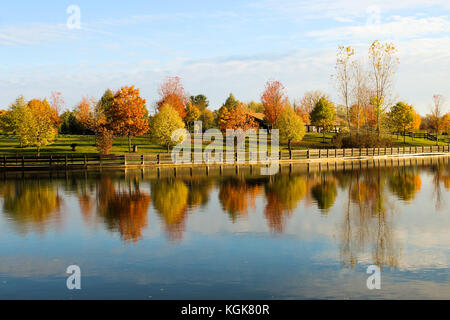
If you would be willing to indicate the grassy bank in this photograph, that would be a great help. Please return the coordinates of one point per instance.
(86, 144)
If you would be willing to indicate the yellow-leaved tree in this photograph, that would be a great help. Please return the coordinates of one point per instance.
(164, 124)
(38, 119)
(291, 126)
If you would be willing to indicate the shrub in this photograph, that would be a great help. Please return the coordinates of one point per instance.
(104, 140)
(362, 140)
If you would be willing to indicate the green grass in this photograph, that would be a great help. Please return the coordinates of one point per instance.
(86, 144)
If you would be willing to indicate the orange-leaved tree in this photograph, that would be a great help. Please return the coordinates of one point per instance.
(127, 116)
(274, 101)
(172, 93)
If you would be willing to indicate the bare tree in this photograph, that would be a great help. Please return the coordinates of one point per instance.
(361, 94)
(343, 78)
(436, 120)
(383, 62)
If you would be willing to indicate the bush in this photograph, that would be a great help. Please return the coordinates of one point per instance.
(362, 140)
(104, 141)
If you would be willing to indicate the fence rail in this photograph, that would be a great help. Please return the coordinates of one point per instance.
(85, 161)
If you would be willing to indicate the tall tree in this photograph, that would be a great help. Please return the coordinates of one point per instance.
(164, 124)
(343, 78)
(172, 93)
(128, 115)
(362, 95)
(274, 100)
(383, 62)
(323, 115)
(291, 126)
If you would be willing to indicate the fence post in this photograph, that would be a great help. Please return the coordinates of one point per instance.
(23, 161)
(50, 161)
(328, 153)
(65, 161)
(157, 159)
(290, 154)
(125, 159)
(85, 161)
(4, 161)
(307, 154)
(142, 160)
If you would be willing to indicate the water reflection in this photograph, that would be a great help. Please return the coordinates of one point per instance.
(283, 194)
(170, 199)
(374, 215)
(31, 204)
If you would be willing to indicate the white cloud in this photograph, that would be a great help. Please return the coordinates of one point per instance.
(399, 28)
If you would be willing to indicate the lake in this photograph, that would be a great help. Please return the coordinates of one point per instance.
(310, 232)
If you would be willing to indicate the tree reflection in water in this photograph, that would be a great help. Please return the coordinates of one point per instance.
(31, 204)
(170, 199)
(237, 195)
(368, 220)
(123, 207)
(325, 192)
(283, 194)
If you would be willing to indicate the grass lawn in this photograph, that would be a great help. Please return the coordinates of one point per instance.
(86, 144)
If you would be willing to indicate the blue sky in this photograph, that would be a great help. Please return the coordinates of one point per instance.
(216, 47)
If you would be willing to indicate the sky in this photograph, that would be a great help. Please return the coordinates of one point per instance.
(216, 47)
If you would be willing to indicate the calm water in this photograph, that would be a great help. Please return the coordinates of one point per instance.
(306, 233)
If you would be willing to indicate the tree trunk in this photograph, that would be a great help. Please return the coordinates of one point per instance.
(129, 143)
(38, 151)
(168, 148)
(404, 137)
(323, 134)
(289, 146)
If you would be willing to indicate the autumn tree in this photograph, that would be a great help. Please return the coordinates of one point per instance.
(291, 126)
(446, 123)
(207, 119)
(39, 123)
(274, 100)
(192, 114)
(172, 93)
(323, 115)
(164, 124)
(127, 115)
(401, 118)
(383, 63)
(343, 78)
(235, 118)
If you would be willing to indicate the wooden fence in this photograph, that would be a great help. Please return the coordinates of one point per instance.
(85, 161)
